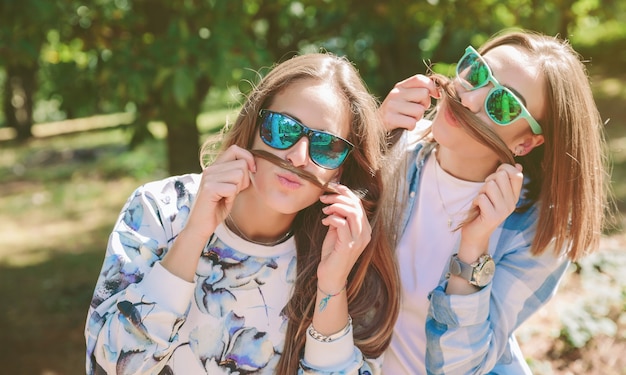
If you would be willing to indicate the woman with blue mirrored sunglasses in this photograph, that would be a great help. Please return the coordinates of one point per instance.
(269, 260)
(504, 184)
(280, 131)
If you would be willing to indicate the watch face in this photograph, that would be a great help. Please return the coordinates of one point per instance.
(485, 274)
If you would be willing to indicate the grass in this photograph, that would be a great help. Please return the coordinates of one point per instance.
(60, 196)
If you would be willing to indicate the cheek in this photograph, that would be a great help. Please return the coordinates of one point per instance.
(332, 176)
(510, 133)
(258, 144)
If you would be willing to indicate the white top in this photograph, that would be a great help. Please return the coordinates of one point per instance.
(423, 254)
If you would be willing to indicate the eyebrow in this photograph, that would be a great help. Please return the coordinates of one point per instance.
(307, 126)
(293, 117)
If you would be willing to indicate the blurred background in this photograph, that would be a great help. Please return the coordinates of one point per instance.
(101, 96)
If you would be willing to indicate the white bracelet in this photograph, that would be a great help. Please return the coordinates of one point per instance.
(323, 338)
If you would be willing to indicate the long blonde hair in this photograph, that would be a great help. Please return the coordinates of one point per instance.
(373, 284)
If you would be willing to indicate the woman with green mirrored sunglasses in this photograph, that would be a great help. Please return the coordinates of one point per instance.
(501, 105)
(503, 185)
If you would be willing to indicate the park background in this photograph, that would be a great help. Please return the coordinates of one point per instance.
(100, 96)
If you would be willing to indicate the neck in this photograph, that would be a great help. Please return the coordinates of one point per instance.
(466, 168)
(256, 223)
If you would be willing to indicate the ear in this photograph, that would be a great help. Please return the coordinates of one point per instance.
(527, 144)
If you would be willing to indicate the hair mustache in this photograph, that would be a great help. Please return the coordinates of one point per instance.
(284, 164)
(325, 186)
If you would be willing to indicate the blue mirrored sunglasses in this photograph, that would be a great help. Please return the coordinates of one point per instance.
(281, 132)
(501, 104)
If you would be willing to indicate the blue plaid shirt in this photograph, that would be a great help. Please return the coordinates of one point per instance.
(473, 334)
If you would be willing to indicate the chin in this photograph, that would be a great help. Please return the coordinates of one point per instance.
(287, 205)
(284, 202)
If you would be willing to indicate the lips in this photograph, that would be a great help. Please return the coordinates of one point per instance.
(289, 180)
(450, 118)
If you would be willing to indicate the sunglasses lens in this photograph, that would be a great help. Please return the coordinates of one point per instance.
(281, 132)
(472, 71)
(503, 107)
(328, 151)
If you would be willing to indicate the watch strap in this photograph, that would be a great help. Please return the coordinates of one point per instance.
(460, 268)
(479, 273)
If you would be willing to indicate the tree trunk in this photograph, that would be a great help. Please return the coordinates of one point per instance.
(18, 102)
(183, 143)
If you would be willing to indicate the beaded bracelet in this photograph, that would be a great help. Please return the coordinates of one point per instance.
(328, 296)
(323, 338)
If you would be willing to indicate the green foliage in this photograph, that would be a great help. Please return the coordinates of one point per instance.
(162, 57)
(23, 28)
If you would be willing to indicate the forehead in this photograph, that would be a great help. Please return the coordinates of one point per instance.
(513, 67)
(316, 104)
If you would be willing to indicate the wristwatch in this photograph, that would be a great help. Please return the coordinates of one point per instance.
(478, 273)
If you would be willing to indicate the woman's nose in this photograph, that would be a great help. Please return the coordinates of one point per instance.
(472, 99)
(298, 154)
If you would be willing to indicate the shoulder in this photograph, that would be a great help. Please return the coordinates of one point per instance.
(182, 184)
(413, 138)
(174, 191)
(170, 188)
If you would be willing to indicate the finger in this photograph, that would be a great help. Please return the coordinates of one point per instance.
(343, 190)
(510, 178)
(502, 198)
(234, 172)
(225, 191)
(494, 193)
(354, 216)
(407, 102)
(396, 120)
(346, 198)
(235, 152)
(515, 170)
(347, 237)
(400, 113)
(485, 206)
(350, 210)
(420, 81)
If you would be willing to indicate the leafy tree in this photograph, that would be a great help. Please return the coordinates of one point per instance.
(164, 56)
(23, 28)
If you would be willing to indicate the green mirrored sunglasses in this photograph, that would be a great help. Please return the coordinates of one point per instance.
(501, 104)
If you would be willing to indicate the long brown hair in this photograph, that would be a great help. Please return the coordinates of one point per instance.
(568, 174)
(571, 168)
(373, 284)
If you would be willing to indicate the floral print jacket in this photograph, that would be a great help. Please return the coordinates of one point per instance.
(144, 320)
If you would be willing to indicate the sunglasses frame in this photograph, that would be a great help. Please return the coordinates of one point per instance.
(524, 114)
(305, 132)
